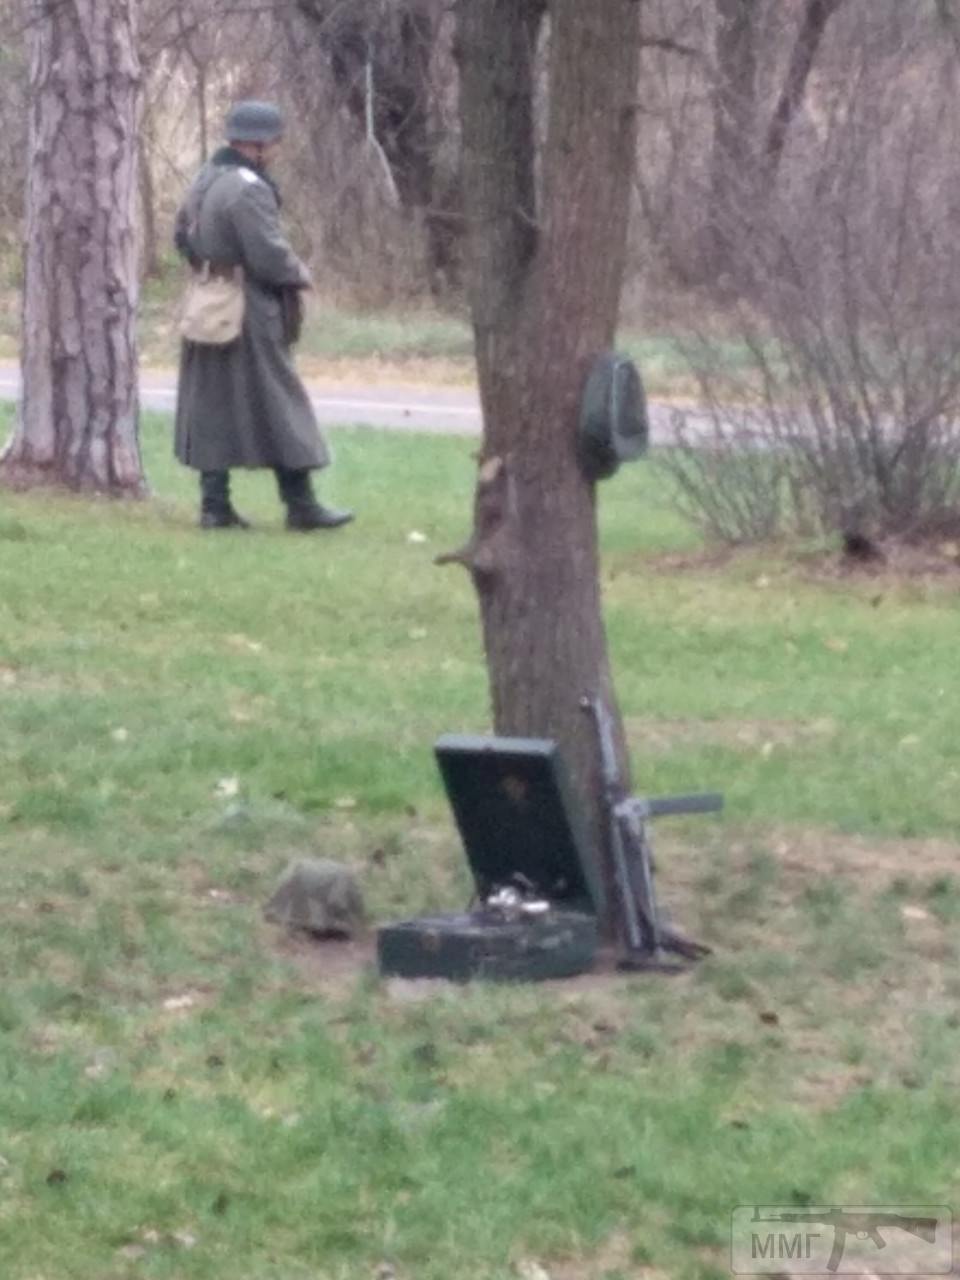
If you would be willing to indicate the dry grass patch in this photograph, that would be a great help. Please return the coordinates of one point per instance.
(426, 372)
(649, 735)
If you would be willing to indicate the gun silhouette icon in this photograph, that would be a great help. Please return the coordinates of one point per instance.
(865, 1226)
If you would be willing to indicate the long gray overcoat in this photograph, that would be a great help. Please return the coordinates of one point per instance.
(243, 405)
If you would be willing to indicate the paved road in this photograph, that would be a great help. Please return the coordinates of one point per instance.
(437, 410)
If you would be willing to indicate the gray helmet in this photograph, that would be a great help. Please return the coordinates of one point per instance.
(253, 122)
(320, 896)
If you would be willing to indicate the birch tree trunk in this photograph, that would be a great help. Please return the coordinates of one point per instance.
(78, 419)
(545, 287)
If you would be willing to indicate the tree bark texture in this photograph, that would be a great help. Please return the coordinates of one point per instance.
(545, 279)
(816, 15)
(734, 125)
(78, 420)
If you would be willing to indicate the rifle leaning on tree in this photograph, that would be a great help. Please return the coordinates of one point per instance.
(647, 939)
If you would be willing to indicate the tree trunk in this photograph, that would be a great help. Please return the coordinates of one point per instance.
(394, 45)
(734, 125)
(816, 15)
(545, 289)
(151, 266)
(203, 124)
(78, 419)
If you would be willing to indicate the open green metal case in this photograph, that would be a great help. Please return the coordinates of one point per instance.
(515, 812)
(514, 808)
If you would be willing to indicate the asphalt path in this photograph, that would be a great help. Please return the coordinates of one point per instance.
(434, 410)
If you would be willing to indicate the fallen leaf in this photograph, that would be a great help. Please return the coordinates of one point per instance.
(132, 1252)
(527, 1269)
(416, 536)
(227, 787)
(239, 641)
(823, 727)
(184, 1239)
(417, 633)
(345, 802)
(767, 750)
(120, 734)
(96, 1071)
(185, 1001)
(836, 644)
(914, 913)
(911, 740)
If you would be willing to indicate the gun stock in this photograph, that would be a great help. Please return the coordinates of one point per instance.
(923, 1228)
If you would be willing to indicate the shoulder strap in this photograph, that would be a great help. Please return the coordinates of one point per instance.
(198, 195)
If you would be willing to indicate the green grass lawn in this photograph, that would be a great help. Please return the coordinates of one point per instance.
(189, 1095)
(416, 344)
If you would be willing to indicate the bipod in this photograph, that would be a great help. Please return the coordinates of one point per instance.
(663, 947)
(650, 944)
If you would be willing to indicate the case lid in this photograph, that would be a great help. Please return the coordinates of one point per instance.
(517, 817)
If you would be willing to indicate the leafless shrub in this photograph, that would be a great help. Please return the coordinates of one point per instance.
(836, 404)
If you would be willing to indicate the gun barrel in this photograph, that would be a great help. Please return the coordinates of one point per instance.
(702, 802)
(621, 871)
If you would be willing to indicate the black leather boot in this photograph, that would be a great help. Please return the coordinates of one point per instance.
(216, 509)
(304, 512)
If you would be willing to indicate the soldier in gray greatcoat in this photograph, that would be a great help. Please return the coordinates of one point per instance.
(243, 404)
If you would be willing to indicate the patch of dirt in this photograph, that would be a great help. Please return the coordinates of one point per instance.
(647, 734)
(16, 679)
(418, 372)
(891, 560)
(615, 1256)
(705, 559)
(873, 863)
(333, 965)
(898, 562)
(775, 988)
(837, 1034)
